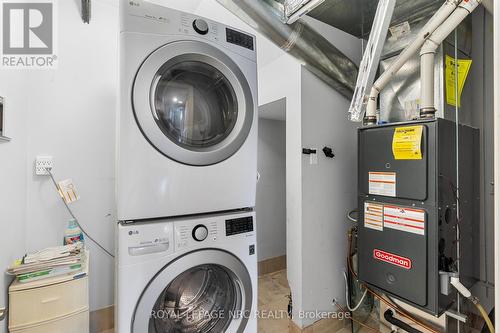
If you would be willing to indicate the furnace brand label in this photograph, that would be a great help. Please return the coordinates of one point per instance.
(374, 216)
(382, 183)
(404, 219)
(392, 259)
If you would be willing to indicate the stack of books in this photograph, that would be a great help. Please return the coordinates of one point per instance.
(50, 262)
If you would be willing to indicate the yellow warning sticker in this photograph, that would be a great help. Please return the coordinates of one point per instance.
(407, 143)
(464, 66)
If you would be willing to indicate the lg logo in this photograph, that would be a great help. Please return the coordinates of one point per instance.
(27, 28)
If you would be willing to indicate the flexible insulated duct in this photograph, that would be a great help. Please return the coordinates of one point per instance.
(300, 40)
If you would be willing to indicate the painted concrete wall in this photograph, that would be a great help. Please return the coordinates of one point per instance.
(271, 189)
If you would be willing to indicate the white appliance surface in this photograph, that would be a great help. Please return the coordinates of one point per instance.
(200, 156)
(161, 261)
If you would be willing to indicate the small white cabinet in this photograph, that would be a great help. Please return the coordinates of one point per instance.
(55, 305)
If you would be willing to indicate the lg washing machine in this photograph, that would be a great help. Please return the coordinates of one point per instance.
(190, 275)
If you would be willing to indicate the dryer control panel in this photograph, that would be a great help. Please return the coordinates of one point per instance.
(140, 16)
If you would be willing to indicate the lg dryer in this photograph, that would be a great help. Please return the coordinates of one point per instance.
(187, 132)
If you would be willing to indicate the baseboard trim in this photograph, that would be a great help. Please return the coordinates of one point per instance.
(102, 320)
(272, 265)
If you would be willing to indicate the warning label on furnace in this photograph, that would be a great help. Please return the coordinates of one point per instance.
(404, 219)
(374, 216)
(407, 143)
(382, 183)
(452, 85)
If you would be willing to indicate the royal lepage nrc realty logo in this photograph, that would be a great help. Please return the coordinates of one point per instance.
(28, 34)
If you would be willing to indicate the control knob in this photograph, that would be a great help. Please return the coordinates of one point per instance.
(200, 26)
(200, 233)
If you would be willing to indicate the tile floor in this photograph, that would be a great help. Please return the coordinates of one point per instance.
(273, 297)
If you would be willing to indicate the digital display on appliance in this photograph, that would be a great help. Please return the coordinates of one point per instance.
(239, 226)
(239, 38)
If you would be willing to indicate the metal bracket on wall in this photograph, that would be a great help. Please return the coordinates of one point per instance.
(86, 11)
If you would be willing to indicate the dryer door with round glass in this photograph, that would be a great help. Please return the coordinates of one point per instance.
(202, 292)
(193, 103)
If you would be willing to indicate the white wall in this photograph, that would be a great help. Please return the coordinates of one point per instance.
(12, 178)
(281, 79)
(72, 117)
(69, 114)
(271, 189)
(329, 189)
(329, 192)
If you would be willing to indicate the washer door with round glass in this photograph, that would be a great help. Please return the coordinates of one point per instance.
(202, 292)
(193, 103)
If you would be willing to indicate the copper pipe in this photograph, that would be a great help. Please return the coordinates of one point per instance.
(357, 321)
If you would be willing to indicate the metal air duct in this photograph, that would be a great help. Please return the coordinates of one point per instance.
(301, 41)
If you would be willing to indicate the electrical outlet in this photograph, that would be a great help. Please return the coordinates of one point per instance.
(42, 163)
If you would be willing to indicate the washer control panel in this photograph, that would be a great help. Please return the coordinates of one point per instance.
(146, 239)
(200, 233)
(192, 25)
(192, 234)
(200, 26)
(240, 225)
(239, 38)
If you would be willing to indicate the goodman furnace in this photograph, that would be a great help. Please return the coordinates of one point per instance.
(407, 227)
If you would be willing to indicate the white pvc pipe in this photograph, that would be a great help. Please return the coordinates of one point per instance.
(429, 50)
(455, 282)
(439, 17)
(427, 79)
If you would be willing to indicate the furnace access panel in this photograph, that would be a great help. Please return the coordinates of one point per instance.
(407, 204)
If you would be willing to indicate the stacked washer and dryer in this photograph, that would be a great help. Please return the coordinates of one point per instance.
(186, 174)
